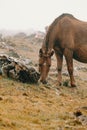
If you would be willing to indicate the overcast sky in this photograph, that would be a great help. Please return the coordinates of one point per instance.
(36, 14)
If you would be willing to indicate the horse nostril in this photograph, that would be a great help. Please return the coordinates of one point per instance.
(44, 82)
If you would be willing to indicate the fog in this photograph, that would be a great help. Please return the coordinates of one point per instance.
(36, 14)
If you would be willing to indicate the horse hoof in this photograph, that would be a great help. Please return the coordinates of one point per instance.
(73, 85)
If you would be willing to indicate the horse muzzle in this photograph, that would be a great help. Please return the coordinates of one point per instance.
(43, 81)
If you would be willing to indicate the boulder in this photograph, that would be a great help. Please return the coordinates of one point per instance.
(12, 68)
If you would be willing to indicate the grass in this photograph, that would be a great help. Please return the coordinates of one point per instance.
(36, 107)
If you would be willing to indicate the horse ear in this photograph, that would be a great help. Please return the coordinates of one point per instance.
(52, 52)
(40, 52)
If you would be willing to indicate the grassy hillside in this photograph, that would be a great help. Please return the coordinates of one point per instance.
(38, 106)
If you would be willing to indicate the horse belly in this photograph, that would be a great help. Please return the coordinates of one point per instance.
(80, 54)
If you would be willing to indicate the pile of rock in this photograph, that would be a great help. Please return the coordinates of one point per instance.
(12, 68)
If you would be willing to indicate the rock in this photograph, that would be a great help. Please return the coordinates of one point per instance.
(80, 117)
(12, 53)
(10, 67)
(26, 61)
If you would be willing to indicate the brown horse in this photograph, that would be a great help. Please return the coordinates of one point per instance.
(66, 36)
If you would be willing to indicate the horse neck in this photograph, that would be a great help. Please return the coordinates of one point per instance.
(48, 44)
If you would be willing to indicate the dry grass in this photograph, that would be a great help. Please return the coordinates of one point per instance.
(36, 107)
(42, 107)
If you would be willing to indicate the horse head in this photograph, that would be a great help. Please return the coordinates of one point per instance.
(44, 63)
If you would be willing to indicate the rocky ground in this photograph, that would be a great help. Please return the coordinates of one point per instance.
(37, 106)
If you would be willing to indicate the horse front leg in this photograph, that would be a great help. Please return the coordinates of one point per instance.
(59, 58)
(69, 60)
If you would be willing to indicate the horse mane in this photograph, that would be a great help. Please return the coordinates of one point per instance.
(53, 25)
